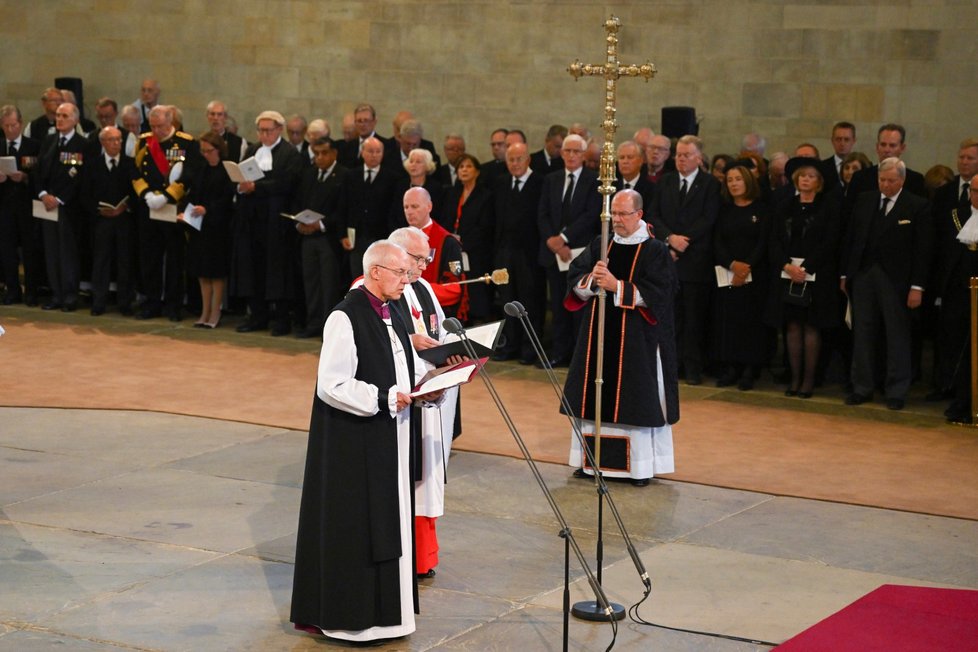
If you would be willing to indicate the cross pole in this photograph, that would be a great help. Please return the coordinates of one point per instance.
(611, 70)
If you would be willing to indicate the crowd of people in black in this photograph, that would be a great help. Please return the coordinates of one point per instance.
(851, 263)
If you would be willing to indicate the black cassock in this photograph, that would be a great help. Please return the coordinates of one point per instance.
(348, 544)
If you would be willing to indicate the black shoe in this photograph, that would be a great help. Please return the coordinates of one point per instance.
(694, 379)
(308, 334)
(939, 395)
(125, 311)
(504, 356)
(746, 384)
(69, 306)
(857, 399)
(581, 475)
(51, 305)
(149, 313)
(528, 361)
(962, 418)
(250, 327)
(640, 482)
(426, 576)
(97, 311)
(281, 329)
(894, 404)
(11, 298)
(555, 362)
(174, 315)
(804, 394)
(791, 392)
(30, 300)
(727, 379)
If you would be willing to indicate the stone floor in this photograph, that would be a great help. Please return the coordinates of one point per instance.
(145, 531)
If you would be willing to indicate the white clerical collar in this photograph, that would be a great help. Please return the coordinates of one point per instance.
(640, 235)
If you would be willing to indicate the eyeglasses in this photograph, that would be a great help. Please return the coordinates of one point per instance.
(622, 214)
(401, 273)
(269, 130)
(421, 259)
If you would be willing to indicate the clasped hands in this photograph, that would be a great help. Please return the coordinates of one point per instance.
(741, 271)
(558, 245)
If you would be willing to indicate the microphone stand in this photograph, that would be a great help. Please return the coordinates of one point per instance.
(584, 610)
(454, 326)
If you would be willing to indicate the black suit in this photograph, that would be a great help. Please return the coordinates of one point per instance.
(887, 254)
(643, 187)
(517, 242)
(474, 228)
(578, 227)
(393, 159)
(693, 217)
(60, 175)
(867, 180)
(830, 174)
(40, 128)
(236, 146)
(539, 164)
(18, 228)
(369, 210)
(322, 251)
(348, 151)
(114, 237)
(444, 176)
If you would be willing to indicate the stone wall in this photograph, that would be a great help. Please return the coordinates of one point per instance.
(785, 69)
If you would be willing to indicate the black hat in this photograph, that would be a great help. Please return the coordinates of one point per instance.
(801, 162)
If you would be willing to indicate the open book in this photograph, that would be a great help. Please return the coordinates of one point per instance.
(306, 217)
(482, 338)
(105, 204)
(246, 170)
(445, 377)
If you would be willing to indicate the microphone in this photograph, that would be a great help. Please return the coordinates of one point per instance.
(514, 309)
(453, 326)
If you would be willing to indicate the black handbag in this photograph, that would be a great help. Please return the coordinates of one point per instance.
(796, 294)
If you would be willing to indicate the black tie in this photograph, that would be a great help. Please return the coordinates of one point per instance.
(322, 176)
(565, 209)
(682, 192)
(516, 184)
(111, 165)
(12, 149)
(965, 192)
(628, 186)
(370, 174)
(62, 142)
(883, 205)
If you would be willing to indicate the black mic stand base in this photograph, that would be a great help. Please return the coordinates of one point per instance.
(591, 610)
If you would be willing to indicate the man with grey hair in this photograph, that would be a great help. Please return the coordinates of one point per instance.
(295, 128)
(395, 158)
(361, 467)
(266, 269)
(131, 123)
(59, 189)
(149, 97)
(454, 147)
(684, 209)
(166, 159)
(753, 142)
(371, 194)
(630, 161)
(20, 233)
(44, 125)
(568, 219)
(658, 159)
(217, 120)
(890, 239)
(365, 123)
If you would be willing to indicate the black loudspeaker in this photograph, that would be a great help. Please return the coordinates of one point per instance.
(73, 84)
(677, 121)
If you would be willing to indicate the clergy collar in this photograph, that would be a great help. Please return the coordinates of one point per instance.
(379, 307)
(641, 234)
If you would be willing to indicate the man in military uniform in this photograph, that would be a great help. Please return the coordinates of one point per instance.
(165, 159)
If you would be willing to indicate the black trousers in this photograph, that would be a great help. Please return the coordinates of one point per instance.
(61, 254)
(526, 285)
(114, 240)
(877, 311)
(162, 246)
(692, 324)
(320, 278)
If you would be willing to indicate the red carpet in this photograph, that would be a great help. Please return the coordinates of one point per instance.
(897, 619)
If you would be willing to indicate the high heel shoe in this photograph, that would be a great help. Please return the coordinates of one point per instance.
(215, 323)
(791, 392)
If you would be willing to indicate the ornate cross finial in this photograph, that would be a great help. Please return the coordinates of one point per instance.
(611, 70)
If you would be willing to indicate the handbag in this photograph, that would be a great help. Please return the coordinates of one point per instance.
(796, 294)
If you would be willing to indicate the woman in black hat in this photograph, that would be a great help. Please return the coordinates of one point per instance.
(804, 251)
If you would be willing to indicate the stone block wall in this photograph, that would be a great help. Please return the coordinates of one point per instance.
(785, 69)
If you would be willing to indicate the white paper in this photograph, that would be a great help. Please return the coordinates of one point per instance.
(485, 334)
(193, 220)
(306, 217)
(725, 277)
(43, 213)
(246, 170)
(797, 263)
(8, 164)
(166, 214)
(351, 233)
(104, 204)
(561, 265)
(465, 262)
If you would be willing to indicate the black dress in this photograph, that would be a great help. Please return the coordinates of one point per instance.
(739, 333)
(473, 224)
(209, 250)
(811, 232)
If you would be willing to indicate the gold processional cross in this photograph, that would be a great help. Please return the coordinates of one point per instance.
(611, 70)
